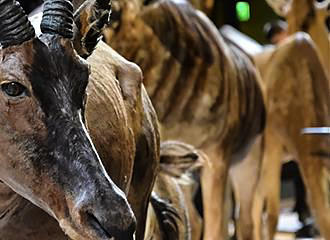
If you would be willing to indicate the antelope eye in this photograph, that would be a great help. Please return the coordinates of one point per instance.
(13, 89)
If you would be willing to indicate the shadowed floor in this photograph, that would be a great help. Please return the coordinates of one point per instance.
(289, 223)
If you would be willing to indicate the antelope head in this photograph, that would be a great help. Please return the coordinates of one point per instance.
(301, 13)
(46, 154)
(281, 7)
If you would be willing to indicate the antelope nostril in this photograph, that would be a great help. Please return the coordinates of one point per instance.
(94, 222)
(123, 234)
(128, 233)
(111, 231)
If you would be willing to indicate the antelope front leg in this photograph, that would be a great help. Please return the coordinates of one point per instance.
(268, 188)
(320, 203)
(244, 177)
(257, 208)
(273, 161)
(214, 181)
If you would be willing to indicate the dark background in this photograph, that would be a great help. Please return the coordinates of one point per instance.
(224, 12)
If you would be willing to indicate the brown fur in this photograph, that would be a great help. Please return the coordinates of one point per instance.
(306, 82)
(308, 16)
(196, 83)
(141, 122)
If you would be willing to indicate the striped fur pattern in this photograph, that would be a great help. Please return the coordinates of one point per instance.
(193, 77)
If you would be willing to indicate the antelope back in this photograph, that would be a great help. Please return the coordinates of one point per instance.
(193, 77)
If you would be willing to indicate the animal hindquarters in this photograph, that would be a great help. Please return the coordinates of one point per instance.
(299, 98)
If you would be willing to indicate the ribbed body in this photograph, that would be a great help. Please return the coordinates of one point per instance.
(203, 89)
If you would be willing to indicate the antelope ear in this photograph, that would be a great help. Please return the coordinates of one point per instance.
(90, 19)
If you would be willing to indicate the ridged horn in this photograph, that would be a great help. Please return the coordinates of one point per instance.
(15, 28)
(58, 18)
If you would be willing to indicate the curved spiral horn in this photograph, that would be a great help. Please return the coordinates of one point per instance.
(15, 27)
(58, 18)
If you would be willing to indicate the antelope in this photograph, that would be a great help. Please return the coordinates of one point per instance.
(291, 56)
(310, 151)
(184, 223)
(197, 82)
(308, 16)
(302, 63)
(50, 169)
(299, 102)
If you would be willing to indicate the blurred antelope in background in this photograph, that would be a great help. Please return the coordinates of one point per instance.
(304, 65)
(310, 16)
(295, 74)
(296, 77)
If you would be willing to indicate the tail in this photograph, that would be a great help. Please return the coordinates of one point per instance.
(167, 217)
(181, 161)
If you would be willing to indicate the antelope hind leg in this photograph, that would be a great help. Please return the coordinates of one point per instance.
(317, 181)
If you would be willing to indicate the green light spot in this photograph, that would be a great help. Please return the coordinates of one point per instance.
(243, 11)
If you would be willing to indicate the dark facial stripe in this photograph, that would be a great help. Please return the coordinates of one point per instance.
(167, 217)
(58, 79)
(59, 82)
